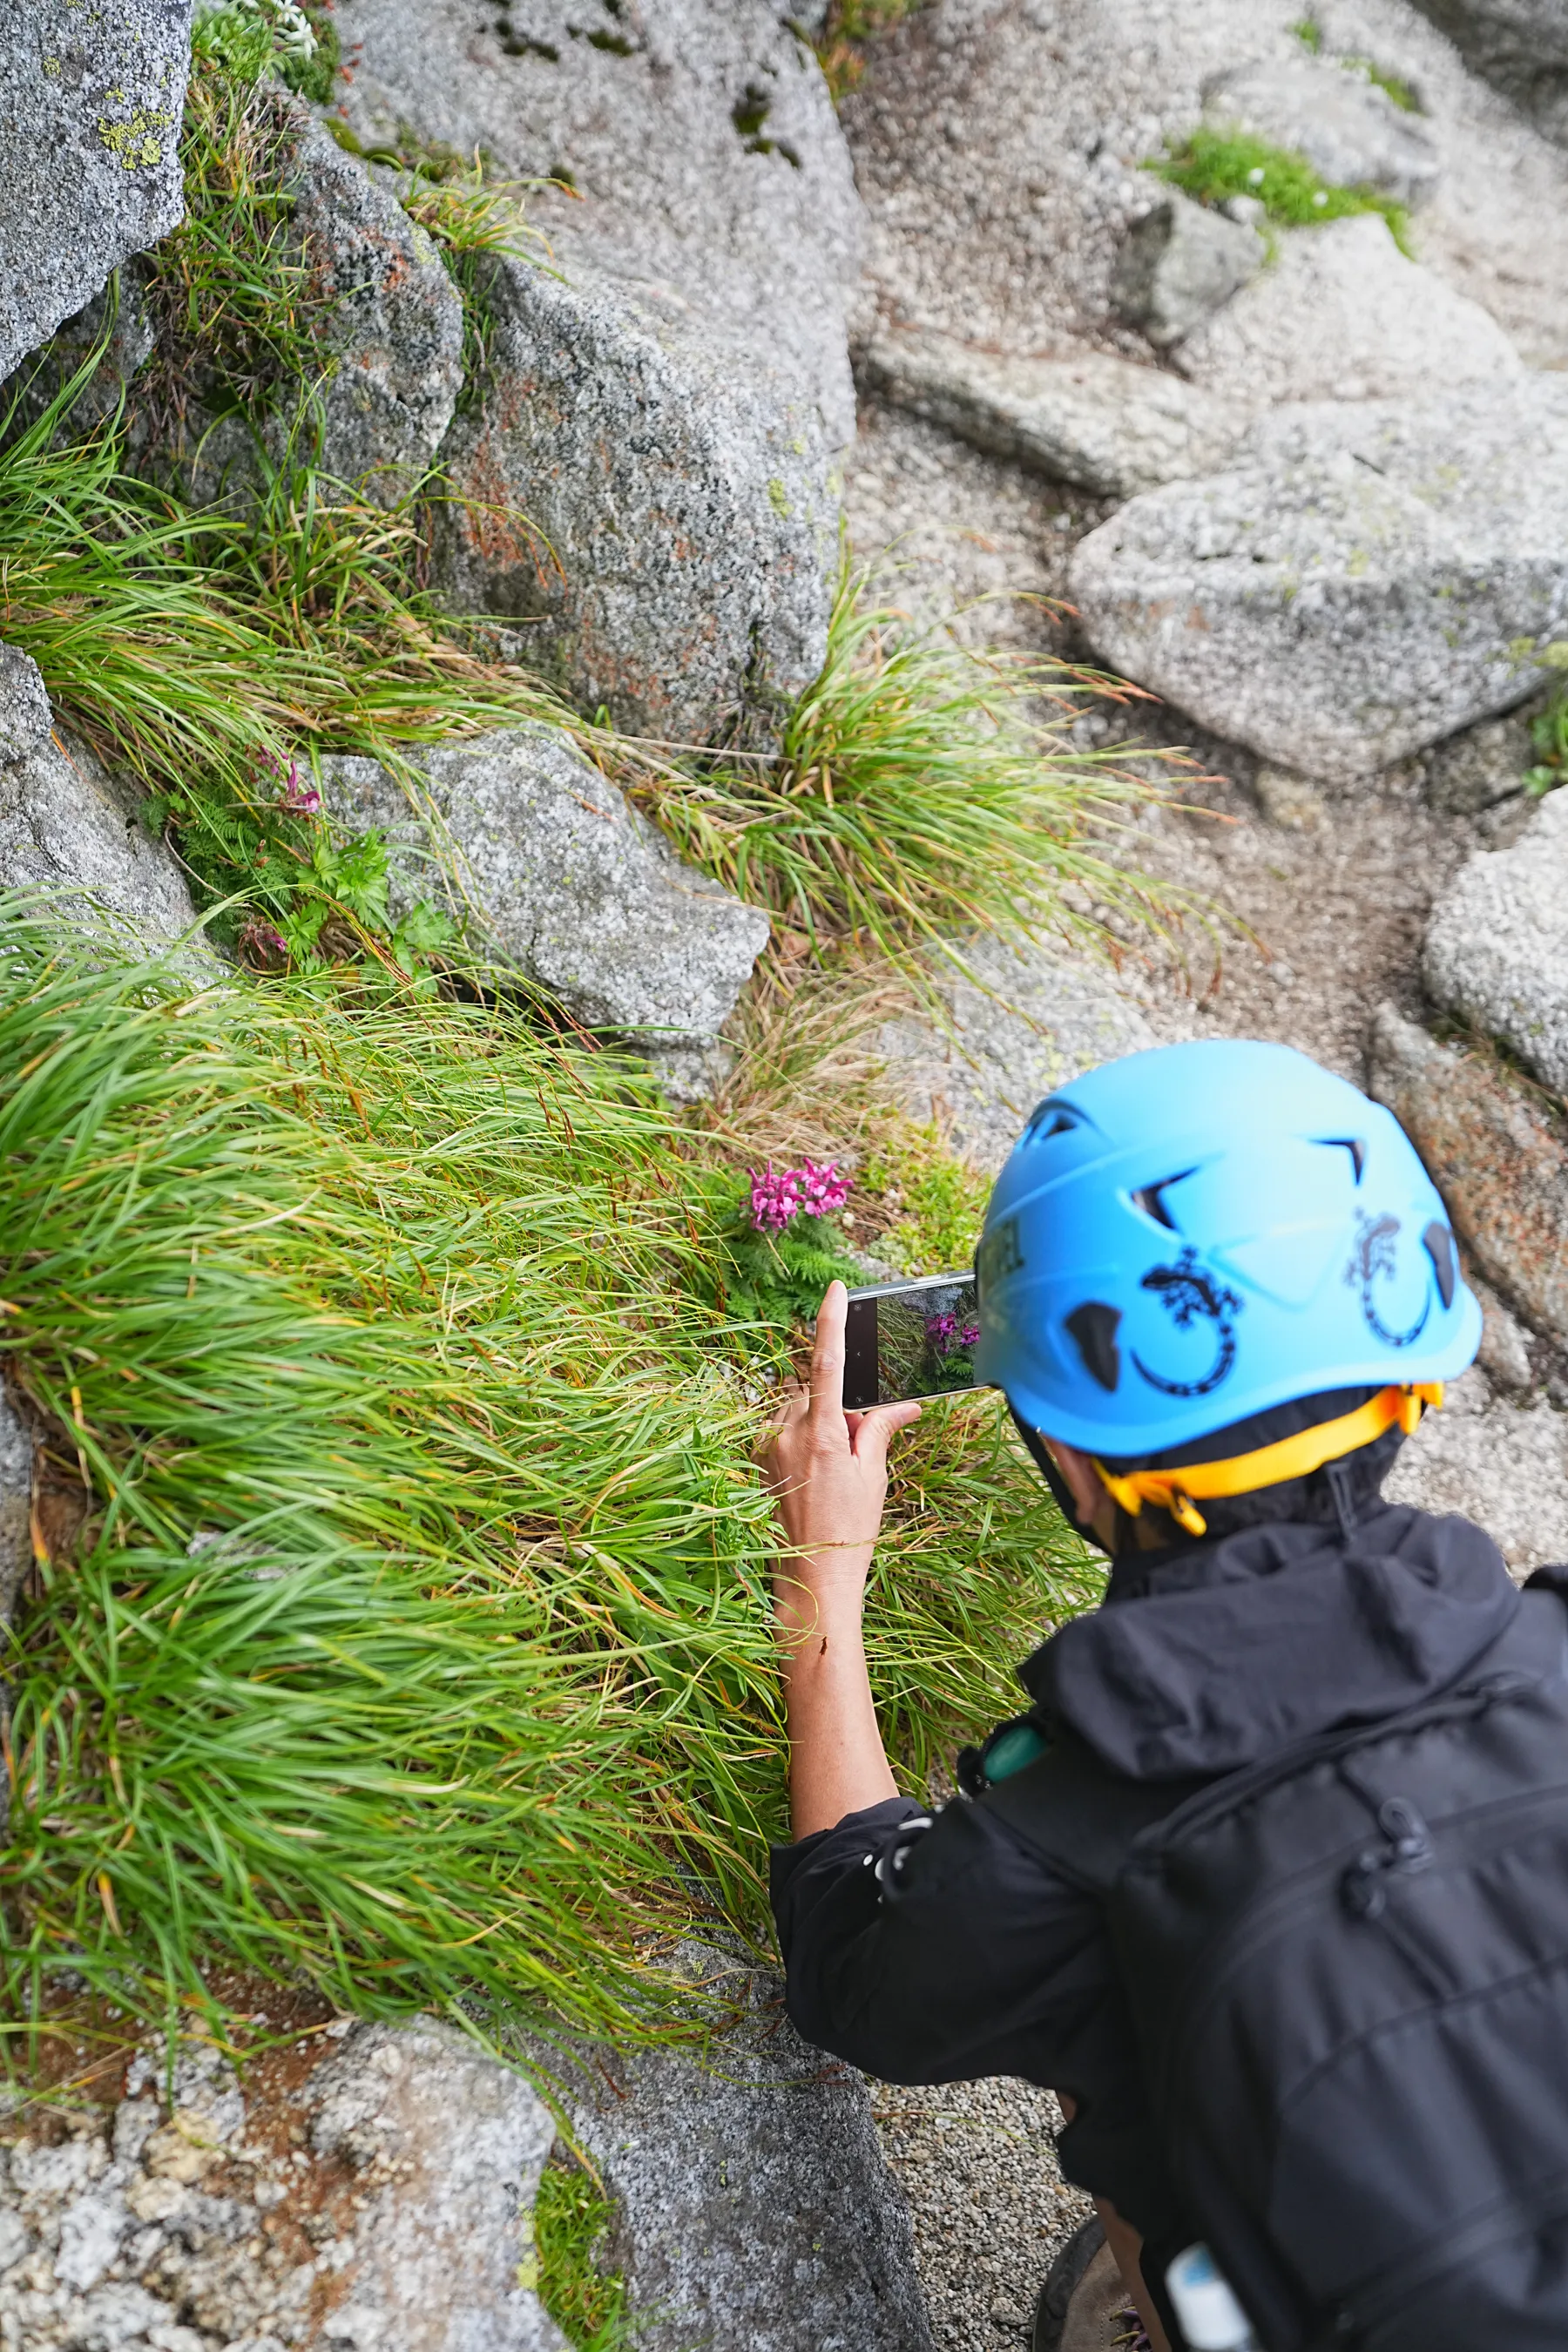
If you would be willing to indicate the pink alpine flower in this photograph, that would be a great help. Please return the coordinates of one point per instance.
(778, 1195)
(822, 1190)
(776, 1198)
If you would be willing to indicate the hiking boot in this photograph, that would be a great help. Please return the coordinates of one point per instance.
(1083, 2305)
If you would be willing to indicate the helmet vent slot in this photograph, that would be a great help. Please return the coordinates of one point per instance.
(1354, 1144)
(1049, 1119)
(1439, 1244)
(1093, 1327)
(1151, 1199)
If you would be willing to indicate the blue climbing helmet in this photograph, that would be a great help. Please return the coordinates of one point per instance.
(1194, 1235)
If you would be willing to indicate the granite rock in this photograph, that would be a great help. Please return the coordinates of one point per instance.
(67, 831)
(702, 160)
(1521, 47)
(1361, 582)
(654, 505)
(450, 2147)
(756, 2211)
(562, 879)
(15, 1499)
(1105, 424)
(1496, 1152)
(391, 351)
(1348, 129)
(1344, 315)
(1475, 771)
(186, 2222)
(648, 478)
(1024, 1023)
(90, 168)
(1180, 263)
(1496, 951)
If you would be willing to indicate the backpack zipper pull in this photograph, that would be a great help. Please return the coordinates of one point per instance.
(1363, 1888)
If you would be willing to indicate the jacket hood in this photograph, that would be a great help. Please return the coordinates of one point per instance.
(1220, 1656)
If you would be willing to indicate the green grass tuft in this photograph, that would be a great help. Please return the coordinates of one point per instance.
(572, 2216)
(417, 1639)
(1213, 164)
(919, 791)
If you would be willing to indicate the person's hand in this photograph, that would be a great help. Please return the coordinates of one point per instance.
(828, 1471)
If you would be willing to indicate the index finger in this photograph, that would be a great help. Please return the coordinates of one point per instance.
(827, 1354)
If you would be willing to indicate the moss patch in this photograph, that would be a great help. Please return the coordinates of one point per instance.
(1212, 165)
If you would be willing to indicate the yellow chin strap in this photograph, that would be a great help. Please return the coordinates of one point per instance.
(1180, 1491)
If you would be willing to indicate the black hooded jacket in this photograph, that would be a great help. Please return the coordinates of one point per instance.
(935, 1948)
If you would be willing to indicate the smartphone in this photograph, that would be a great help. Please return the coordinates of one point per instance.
(910, 1339)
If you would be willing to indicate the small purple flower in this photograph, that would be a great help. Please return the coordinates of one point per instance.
(299, 800)
(944, 1332)
(776, 1198)
(822, 1190)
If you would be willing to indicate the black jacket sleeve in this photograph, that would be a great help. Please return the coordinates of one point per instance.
(932, 1950)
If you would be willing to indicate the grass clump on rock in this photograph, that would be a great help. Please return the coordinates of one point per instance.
(414, 1638)
(920, 789)
(1212, 165)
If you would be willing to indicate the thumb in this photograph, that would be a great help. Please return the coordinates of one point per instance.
(879, 1427)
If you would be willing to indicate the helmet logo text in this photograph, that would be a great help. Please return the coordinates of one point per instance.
(1191, 1296)
(998, 1254)
(1374, 1258)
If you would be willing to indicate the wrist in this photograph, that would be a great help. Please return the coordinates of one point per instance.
(812, 1596)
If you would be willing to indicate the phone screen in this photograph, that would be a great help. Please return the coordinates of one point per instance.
(910, 1339)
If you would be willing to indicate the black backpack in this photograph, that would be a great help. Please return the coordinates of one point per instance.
(1348, 1972)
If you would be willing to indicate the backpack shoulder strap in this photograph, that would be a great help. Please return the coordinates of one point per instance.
(1077, 1814)
(1082, 1817)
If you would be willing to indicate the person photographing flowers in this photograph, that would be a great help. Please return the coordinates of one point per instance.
(1269, 1881)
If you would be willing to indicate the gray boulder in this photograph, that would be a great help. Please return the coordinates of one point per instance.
(67, 831)
(519, 833)
(1180, 264)
(1348, 129)
(1344, 315)
(658, 511)
(1027, 1021)
(448, 2147)
(1519, 46)
(1497, 1154)
(648, 476)
(397, 335)
(1106, 424)
(89, 171)
(15, 1500)
(702, 159)
(1496, 951)
(402, 2168)
(1361, 582)
(756, 2211)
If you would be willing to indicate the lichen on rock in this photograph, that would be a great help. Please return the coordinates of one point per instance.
(89, 166)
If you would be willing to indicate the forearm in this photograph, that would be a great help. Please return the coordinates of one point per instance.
(837, 1764)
